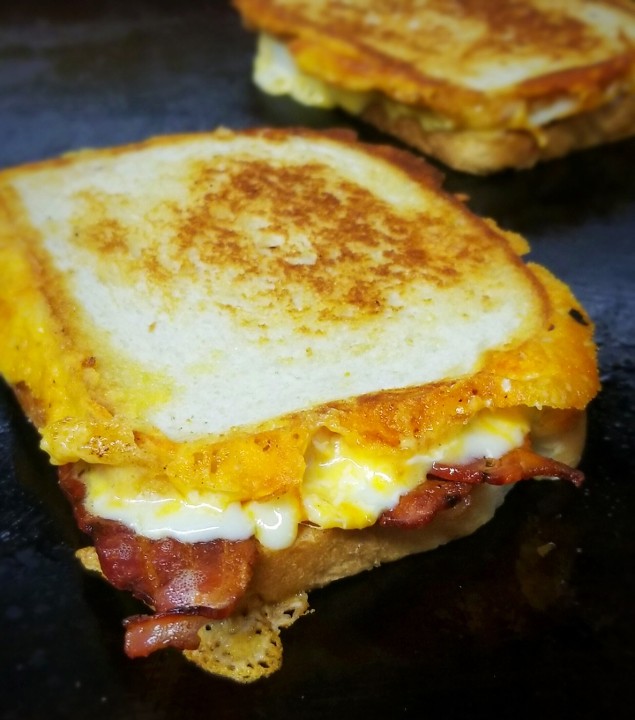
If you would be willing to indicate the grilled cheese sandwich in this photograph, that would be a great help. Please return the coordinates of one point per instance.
(482, 87)
(264, 360)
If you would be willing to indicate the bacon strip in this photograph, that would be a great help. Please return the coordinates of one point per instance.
(446, 485)
(167, 574)
(147, 633)
(185, 583)
(518, 464)
(419, 506)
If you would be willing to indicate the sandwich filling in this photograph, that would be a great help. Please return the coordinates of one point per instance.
(188, 584)
(345, 485)
(277, 72)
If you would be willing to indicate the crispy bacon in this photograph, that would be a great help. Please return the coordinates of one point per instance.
(185, 583)
(419, 506)
(147, 633)
(447, 485)
(518, 464)
(167, 574)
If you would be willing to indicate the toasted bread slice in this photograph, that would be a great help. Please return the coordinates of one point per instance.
(481, 86)
(164, 273)
(272, 358)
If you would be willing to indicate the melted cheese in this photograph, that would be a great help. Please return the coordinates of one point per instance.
(276, 73)
(345, 486)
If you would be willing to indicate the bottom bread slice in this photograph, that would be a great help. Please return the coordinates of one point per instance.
(247, 646)
(487, 151)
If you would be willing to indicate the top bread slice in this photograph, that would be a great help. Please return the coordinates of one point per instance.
(192, 286)
(200, 291)
(481, 86)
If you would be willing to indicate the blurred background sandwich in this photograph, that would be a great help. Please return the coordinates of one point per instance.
(481, 86)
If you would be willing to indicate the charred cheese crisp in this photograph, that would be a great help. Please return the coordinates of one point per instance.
(269, 359)
(480, 85)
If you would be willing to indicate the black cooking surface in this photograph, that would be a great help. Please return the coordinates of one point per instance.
(531, 617)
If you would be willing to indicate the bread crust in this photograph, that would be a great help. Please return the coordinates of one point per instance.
(482, 152)
(319, 557)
